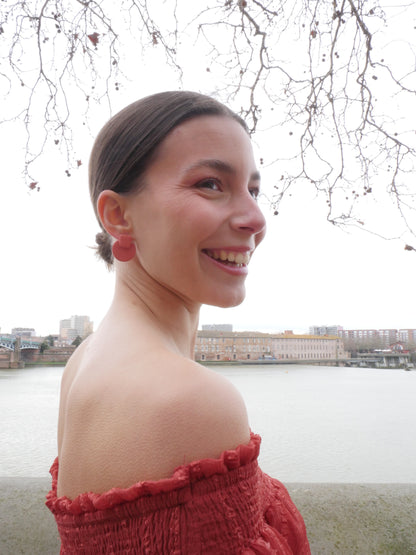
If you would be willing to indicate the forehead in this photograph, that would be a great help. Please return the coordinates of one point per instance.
(218, 137)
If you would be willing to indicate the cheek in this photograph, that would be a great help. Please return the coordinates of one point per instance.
(194, 224)
(173, 231)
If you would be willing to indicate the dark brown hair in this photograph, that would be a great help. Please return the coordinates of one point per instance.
(126, 144)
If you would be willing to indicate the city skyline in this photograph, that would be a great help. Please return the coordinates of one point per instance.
(82, 325)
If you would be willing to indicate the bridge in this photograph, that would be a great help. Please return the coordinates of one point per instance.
(363, 360)
(16, 343)
(381, 360)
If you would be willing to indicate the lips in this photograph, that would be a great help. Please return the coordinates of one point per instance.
(229, 257)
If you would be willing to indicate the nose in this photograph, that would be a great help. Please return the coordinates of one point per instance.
(248, 217)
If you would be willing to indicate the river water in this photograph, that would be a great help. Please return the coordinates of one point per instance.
(318, 424)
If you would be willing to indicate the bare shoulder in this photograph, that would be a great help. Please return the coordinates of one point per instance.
(206, 415)
(140, 423)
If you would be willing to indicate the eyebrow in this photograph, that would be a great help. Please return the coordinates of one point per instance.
(220, 165)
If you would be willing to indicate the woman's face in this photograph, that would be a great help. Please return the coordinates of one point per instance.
(197, 222)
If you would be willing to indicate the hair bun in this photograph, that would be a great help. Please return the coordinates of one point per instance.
(103, 249)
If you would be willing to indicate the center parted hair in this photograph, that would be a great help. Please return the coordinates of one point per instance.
(125, 146)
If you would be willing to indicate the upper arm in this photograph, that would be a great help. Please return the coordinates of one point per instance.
(206, 417)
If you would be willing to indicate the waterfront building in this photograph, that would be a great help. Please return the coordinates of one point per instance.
(214, 345)
(291, 346)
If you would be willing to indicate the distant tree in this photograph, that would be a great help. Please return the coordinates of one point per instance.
(44, 346)
(331, 84)
(77, 341)
(363, 345)
(50, 340)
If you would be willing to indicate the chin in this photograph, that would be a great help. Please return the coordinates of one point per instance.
(227, 301)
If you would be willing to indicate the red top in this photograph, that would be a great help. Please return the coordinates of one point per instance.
(213, 506)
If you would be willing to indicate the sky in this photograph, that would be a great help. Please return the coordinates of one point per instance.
(306, 272)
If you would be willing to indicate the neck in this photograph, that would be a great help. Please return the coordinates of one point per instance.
(172, 318)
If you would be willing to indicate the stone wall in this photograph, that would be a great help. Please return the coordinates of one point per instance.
(341, 519)
(49, 356)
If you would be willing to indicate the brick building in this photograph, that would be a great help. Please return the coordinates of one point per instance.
(216, 345)
(377, 339)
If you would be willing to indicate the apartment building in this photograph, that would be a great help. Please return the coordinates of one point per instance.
(71, 328)
(377, 339)
(324, 330)
(408, 337)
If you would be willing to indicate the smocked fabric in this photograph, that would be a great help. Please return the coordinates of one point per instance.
(224, 506)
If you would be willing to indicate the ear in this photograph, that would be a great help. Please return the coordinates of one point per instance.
(111, 208)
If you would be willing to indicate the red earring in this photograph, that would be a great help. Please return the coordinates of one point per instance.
(124, 248)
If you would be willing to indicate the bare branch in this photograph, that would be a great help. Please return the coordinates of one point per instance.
(327, 88)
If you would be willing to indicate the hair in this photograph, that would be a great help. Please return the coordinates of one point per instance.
(126, 144)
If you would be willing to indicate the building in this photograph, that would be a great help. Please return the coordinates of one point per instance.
(214, 345)
(408, 337)
(290, 346)
(232, 345)
(217, 327)
(360, 339)
(24, 332)
(388, 336)
(324, 330)
(76, 326)
(377, 339)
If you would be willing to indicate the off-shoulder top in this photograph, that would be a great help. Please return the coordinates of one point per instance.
(224, 506)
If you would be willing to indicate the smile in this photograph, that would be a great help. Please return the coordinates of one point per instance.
(231, 258)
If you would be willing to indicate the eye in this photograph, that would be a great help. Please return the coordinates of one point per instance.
(210, 184)
(254, 192)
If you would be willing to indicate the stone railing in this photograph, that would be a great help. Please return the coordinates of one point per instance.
(344, 519)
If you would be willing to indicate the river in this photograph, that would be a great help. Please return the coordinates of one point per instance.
(318, 424)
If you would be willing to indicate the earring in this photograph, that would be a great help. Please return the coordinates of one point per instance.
(124, 248)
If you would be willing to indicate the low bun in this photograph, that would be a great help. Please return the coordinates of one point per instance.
(103, 248)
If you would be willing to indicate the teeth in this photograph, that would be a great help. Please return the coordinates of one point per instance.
(237, 258)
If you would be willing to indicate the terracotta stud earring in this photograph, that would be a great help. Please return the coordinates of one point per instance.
(124, 248)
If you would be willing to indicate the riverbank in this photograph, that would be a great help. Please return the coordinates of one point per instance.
(341, 519)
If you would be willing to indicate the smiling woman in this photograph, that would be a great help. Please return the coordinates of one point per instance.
(155, 453)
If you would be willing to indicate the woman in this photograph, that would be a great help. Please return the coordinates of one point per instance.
(155, 452)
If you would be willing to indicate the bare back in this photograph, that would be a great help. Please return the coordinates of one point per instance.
(130, 417)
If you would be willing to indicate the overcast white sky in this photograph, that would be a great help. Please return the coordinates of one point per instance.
(306, 271)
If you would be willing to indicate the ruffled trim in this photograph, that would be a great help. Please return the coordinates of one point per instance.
(182, 477)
